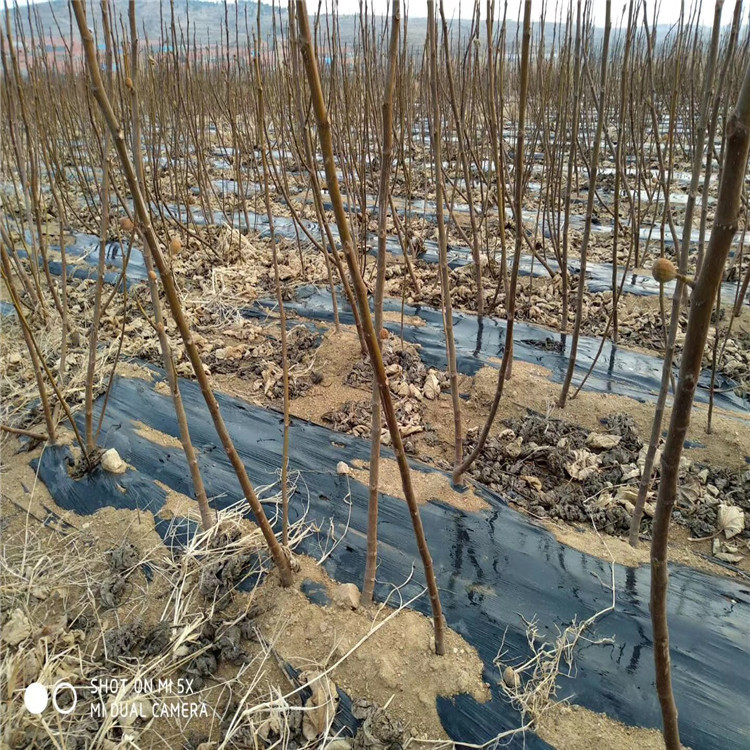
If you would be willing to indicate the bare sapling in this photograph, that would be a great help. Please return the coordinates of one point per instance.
(618, 170)
(173, 299)
(207, 514)
(593, 170)
(699, 318)
(510, 298)
(464, 158)
(436, 137)
(7, 275)
(664, 271)
(495, 137)
(572, 156)
(371, 563)
(103, 232)
(32, 344)
(371, 337)
(261, 139)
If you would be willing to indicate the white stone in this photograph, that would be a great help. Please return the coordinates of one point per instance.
(112, 462)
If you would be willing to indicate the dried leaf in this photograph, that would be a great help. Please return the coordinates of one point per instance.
(584, 464)
(532, 481)
(602, 442)
(730, 519)
(320, 707)
(17, 629)
(431, 387)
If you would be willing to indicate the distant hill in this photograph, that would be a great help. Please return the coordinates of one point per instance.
(203, 21)
(206, 23)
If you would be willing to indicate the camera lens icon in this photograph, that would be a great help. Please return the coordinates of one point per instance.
(36, 697)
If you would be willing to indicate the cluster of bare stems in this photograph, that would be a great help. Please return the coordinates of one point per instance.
(518, 122)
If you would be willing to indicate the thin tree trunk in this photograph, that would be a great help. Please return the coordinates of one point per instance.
(571, 165)
(674, 323)
(589, 209)
(510, 296)
(699, 319)
(465, 167)
(28, 338)
(261, 139)
(436, 136)
(103, 229)
(207, 515)
(360, 290)
(618, 173)
(495, 142)
(371, 563)
(170, 290)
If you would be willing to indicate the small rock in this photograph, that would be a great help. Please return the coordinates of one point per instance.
(346, 595)
(112, 462)
(511, 678)
(343, 468)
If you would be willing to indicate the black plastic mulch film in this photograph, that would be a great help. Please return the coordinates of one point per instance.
(493, 567)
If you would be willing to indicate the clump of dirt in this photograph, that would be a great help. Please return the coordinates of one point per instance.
(123, 642)
(219, 578)
(378, 731)
(219, 641)
(123, 562)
